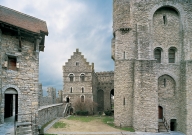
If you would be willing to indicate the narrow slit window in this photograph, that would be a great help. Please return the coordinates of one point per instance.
(82, 90)
(123, 55)
(164, 19)
(123, 101)
(71, 90)
(164, 82)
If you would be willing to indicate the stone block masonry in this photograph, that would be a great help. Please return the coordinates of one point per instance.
(151, 49)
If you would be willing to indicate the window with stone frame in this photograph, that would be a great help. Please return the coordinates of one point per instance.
(157, 54)
(71, 77)
(82, 77)
(82, 90)
(171, 55)
(82, 99)
(12, 63)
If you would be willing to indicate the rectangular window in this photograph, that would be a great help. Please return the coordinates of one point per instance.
(12, 63)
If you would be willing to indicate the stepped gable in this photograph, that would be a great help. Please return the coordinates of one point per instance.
(82, 57)
(23, 21)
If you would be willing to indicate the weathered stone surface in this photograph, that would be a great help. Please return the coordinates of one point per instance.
(141, 83)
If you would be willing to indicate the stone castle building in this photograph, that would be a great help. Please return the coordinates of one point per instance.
(152, 52)
(22, 37)
(81, 82)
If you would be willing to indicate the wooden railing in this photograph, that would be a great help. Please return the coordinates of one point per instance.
(166, 124)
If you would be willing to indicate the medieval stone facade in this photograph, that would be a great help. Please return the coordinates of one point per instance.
(151, 49)
(81, 82)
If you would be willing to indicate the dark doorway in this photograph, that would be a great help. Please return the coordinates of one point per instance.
(100, 100)
(11, 105)
(173, 124)
(8, 105)
(67, 99)
(160, 112)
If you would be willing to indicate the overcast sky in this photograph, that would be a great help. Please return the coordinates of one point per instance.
(83, 24)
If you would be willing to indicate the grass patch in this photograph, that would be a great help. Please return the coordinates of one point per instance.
(82, 118)
(110, 121)
(42, 128)
(59, 125)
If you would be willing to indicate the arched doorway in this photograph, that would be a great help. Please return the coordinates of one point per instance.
(112, 98)
(10, 103)
(160, 112)
(100, 100)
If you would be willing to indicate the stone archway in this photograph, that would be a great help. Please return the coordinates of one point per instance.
(10, 103)
(112, 99)
(100, 100)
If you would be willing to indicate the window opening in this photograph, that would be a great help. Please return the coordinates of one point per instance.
(77, 63)
(164, 19)
(71, 77)
(82, 77)
(171, 56)
(158, 55)
(164, 82)
(123, 101)
(82, 90)
(12, 63)
(123, 55)
(82, 99)
(71, 90)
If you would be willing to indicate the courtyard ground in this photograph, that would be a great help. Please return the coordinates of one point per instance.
(85, 124)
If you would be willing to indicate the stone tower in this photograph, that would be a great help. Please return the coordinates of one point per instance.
(22, 37)
(151, 49)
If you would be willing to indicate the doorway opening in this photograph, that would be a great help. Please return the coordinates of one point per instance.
(11, 104)
(173, 123)
(112, 99)
(67, 99)
(160, 112)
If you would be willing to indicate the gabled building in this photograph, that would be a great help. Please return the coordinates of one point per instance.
(22, 37)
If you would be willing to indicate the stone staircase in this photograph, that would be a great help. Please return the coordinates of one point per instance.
(24, 129)
(162, 127)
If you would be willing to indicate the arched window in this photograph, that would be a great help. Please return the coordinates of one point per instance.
(71, 77)
(172, 55)
(82, 77)
(82, 98)
(157, 54)
(82, 90)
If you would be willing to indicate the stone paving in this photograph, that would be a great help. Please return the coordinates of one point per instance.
(8, 127)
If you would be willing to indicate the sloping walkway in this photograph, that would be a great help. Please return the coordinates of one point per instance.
(7, 128)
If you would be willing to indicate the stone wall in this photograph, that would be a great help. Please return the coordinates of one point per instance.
(139, 27)
(49, 112)
(23, 79)
(106, 84)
